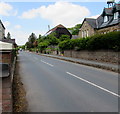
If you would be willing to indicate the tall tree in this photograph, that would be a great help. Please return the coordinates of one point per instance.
(32, 38)
(8, 36)
(39, 36)
(75, 30)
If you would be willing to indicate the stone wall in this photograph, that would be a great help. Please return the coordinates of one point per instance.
(87, 29)
(100, 56)
(108, 29)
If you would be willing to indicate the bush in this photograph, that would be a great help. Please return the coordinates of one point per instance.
(43, 45)
(64, 37)
(66, 45)
(107, 41)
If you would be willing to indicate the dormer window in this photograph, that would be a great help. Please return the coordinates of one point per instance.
(105, 19)
(116, 15)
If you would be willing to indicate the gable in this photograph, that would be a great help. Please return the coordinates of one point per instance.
(86, 25)
(2, 24)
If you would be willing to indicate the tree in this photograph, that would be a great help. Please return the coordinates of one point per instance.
(8, 36)
(53, 40)
(75, 30)
(64, 37)
(32, 38)
(39, 36)
(28, 44)
(43, 45)
(35, 43)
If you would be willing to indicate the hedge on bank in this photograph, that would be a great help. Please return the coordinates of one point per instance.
(109, 41)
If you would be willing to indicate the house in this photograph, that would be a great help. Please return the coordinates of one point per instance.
(59, 30)
(6, 46)
(12, 41)
(108, 21)
(2, 36)
(2, 30)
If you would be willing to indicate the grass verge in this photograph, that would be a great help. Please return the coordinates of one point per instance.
(19, 94)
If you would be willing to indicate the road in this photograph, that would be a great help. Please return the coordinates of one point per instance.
(54, 85)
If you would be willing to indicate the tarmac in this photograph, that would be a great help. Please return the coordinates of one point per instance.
(107, 66)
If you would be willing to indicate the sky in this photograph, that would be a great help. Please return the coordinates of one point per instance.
(24, 17)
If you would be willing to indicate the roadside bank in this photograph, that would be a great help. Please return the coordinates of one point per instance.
(19, 94)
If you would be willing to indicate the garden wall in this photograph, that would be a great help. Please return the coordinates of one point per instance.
(100, 56)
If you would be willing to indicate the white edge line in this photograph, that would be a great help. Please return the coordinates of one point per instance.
(93, 84)
(47, 63)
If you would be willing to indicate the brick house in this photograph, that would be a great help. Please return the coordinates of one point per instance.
(108, 21)
(2, 36)
(59, 30)
(2, 30)
(5, 52)
(6, 47)
(7, 66)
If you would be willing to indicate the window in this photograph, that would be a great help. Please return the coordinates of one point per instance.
(105, 19)
(87, 33)
(115, 30)
(82, 34)
(104, 32)
(116, 15)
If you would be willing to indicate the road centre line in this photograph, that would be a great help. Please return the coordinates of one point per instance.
(47, 63)
(93, 84)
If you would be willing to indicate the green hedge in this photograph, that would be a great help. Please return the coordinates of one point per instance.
(107, 41)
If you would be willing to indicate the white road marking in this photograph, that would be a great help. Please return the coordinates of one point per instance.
(47, 63)
(93, 84)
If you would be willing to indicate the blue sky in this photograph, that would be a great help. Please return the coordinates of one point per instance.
(23, 18)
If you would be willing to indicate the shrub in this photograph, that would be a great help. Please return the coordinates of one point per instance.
(107, 41)
(65, 45)
(64, 37)
(43, 45)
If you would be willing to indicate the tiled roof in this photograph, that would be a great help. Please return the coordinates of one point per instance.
(99, 22)
(53, 29)
(92, 22)
(12, 41)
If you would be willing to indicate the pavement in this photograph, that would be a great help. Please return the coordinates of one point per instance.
(102, 65)
(54, 85)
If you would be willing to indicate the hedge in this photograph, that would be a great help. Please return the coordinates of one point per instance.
(109, 41)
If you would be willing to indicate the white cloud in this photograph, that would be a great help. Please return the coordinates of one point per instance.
(6, 23)
(15, 13)
(39, 32)
(20, 36)
(95, 16)
(64, 13)
(30, 14)
(7, 10)
(17, 26)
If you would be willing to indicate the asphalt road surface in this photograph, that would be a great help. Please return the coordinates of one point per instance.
(54, 85)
